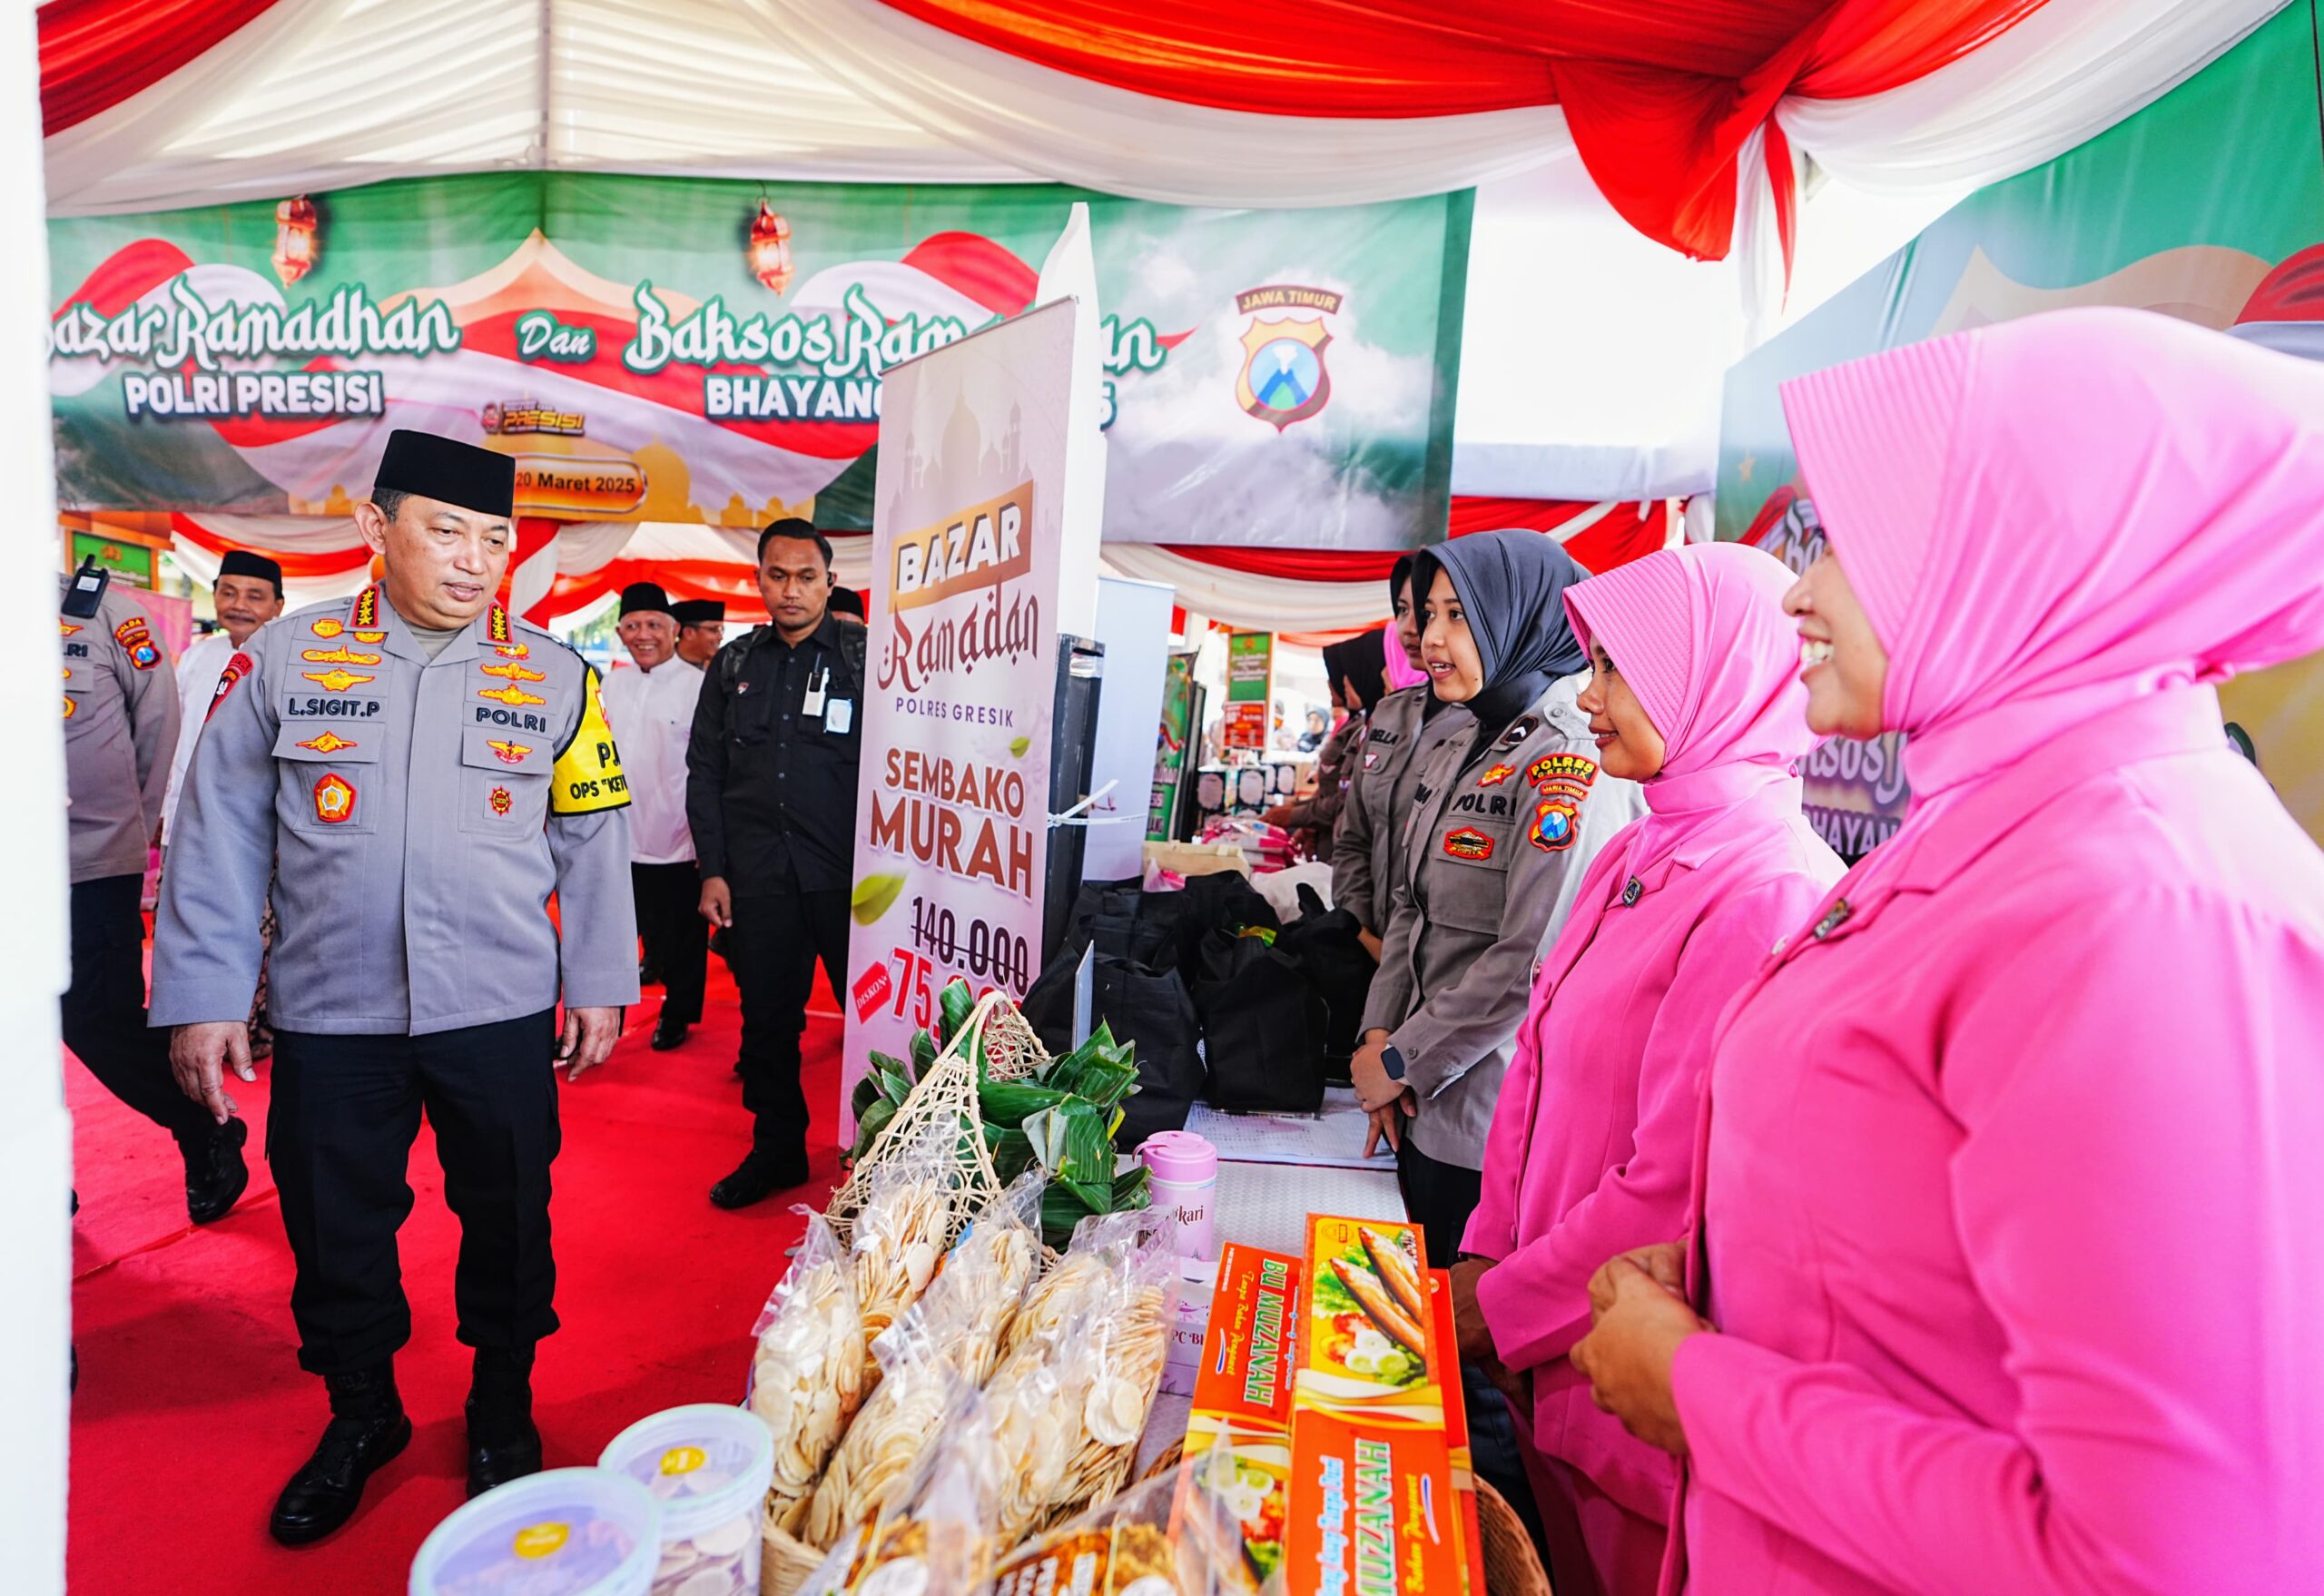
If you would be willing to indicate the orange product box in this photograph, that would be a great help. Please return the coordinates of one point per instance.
(1241, 1401)
(1456, 1427)
(1363, 1340)
(1373, 1508)
(1249, 1352)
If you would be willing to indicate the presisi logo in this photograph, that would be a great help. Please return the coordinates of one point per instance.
(983, 547)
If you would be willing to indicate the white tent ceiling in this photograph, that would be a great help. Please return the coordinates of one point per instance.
(1593, 357)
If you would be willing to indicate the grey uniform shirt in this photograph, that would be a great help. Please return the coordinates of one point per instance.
(121, 732)
(1367, 850)
(423, 812)
(1495, 849)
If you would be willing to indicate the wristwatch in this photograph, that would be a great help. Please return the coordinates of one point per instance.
(1392, 1060)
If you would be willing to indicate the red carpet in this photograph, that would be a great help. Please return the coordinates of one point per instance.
(193, 1410)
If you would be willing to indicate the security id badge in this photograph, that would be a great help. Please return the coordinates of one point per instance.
(840, 716)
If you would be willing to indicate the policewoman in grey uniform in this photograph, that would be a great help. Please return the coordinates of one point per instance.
(1505, 818)
(1367, 850)
(429, 772)
(121, 729)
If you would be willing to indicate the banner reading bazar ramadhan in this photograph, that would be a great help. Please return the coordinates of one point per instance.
(969, 556)
(698, 350)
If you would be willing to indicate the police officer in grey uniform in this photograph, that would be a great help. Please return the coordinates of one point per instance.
(1505, 822)
(430, 771)
(121, 729)
(1367, 850)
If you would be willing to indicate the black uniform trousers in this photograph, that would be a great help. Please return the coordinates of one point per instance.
(103, 1011)
(773, 945)
(338, 1135)
(677, 937)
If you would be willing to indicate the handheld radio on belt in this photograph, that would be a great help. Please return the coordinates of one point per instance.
(87, 590)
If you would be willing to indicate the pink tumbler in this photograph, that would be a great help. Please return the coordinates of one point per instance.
(1182, 1175)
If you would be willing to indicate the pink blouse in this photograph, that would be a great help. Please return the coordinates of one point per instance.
(1592, 1155)
(2013, 1215)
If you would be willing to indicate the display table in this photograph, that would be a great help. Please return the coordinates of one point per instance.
(1266, 1205)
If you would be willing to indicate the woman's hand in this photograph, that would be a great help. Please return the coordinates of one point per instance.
(1640, 1325)
(1666, 1261)
(1389, 1123)
(1469, 1317)
(1374, 1089)
(1371, 944)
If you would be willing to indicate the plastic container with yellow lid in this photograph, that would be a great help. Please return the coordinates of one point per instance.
(564, 1533)
(708, 1466)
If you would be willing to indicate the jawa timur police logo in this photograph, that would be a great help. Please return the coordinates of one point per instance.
(1284, 378)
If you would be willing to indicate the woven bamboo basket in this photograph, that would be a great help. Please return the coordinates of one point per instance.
(783, 1563)
(946, 1095)
(1169, 1458)
(1512, 1568)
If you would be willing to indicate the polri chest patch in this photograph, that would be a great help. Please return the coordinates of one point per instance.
(1470, 844)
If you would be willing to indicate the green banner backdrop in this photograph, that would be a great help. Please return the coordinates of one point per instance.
(2209, 205)
(672, 349)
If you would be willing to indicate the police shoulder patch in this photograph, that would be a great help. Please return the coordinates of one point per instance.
(587, 777)
(137, 642)
(1557, 821)
(1573, 769)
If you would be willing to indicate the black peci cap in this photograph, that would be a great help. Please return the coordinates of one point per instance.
(646, 595)
(699, 612)
(241, 562)
(447, 470)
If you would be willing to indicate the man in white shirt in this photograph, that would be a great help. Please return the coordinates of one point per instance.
(651, 710)
(248, 594)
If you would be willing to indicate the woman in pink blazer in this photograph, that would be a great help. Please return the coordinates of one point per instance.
(2009, 1244)
(1593, 1144)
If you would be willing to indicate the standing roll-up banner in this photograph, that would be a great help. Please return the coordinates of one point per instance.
(969, 547)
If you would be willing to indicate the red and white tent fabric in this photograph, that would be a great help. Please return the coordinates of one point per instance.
(1692, 124)
(562, 569)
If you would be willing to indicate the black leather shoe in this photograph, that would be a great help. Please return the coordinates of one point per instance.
(495, 1463)
(668, 1033)
(367, 1427)
(503, 1444)
(215, 1174)
(759, 1177)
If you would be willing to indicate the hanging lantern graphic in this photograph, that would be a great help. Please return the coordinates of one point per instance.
(770, 248)
(298, 238)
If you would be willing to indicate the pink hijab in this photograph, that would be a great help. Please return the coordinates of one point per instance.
(2048, 517)
(1402, 671)
(1699, 635)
